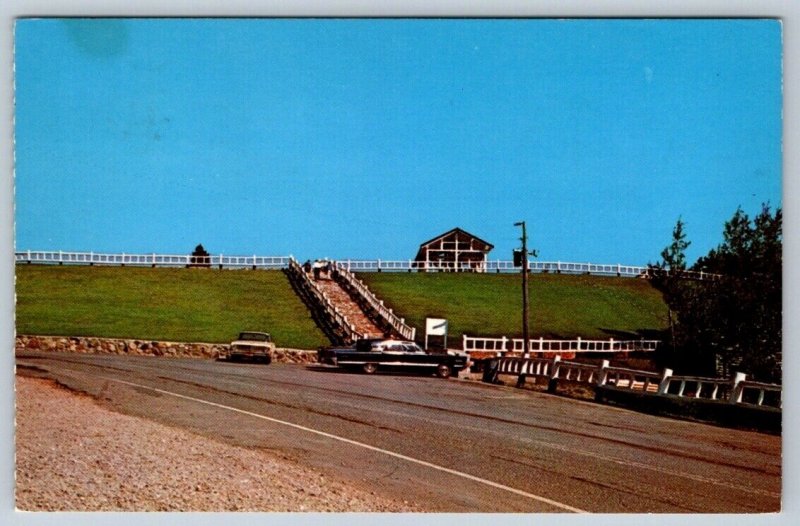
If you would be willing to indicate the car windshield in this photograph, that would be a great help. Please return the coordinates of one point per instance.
(254, 336)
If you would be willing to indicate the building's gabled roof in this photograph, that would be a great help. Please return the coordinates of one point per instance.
(459, 231)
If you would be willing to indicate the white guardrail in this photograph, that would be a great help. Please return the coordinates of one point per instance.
(353, 265)
(737, 390)
(396, 322)
(503, 345)
(331, 310)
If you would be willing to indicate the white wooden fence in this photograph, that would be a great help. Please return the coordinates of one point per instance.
(501, 266)
(353, 265)
(737, 390)
(151, 260)
(503, 345)
(409, 265)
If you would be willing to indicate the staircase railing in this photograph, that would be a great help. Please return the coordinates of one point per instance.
(333, 313)
(397, 323)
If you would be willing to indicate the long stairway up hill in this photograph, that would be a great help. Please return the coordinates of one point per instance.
(342, 305)
(351, 310)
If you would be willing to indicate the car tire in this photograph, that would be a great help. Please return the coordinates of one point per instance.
(443, 371)
(369, 368)
(267, 360)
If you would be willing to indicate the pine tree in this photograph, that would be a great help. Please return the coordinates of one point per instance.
(732, 322)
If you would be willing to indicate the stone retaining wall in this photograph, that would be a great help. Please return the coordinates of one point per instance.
(92, 345)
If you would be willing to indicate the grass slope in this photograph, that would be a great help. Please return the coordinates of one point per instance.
(562, 306)
(201, 305)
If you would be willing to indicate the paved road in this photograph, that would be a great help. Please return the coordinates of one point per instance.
(450, 445)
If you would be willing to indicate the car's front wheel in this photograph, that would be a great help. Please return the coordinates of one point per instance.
(443, 371)
(370, 367)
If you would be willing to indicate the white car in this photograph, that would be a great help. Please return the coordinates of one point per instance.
(250, 345)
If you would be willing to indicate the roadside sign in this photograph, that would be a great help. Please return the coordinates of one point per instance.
(435, 327)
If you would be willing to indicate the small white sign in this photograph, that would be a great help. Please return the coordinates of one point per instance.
(435, 327)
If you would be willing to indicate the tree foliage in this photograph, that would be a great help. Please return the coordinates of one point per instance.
(733, 322)
(200, 257)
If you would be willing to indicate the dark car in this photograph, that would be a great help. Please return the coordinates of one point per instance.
(371, 355)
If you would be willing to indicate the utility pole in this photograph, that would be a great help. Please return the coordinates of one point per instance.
(525, 333)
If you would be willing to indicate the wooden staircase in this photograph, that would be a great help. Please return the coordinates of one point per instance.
(342, 306)
(347, 306)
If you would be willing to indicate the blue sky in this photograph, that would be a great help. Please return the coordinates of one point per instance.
(364, 138)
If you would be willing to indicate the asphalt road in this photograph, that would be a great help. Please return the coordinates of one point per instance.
(449, 445)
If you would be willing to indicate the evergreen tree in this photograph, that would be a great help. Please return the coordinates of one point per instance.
(731, 322)
(200, 258)
(667, 275)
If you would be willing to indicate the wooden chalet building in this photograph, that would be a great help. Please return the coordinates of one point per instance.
(454, 251)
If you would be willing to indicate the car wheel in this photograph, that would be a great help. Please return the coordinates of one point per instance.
(267, 360)
(370, 368)
(443, 371)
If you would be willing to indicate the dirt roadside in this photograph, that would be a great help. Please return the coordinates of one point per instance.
(73, 455)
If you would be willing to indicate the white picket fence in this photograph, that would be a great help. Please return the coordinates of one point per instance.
(737, 390)
(503, 345)
(60, 257)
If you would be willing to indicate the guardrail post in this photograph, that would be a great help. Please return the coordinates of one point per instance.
(553, 381)
(523, 364)
(738, 388)
(663, 386)
(220, 261)
(504, 348)
(379, 265)
(464, 342)
(602, 374)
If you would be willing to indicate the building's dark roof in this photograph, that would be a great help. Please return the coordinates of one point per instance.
(460, 231)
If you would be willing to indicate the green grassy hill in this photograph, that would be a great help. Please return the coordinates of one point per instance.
(200, 305)
(210, 305)
(562, 306)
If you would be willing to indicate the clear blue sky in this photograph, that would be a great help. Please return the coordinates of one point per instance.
(364, 138)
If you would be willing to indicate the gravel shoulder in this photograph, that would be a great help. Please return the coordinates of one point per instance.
(74, 455)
